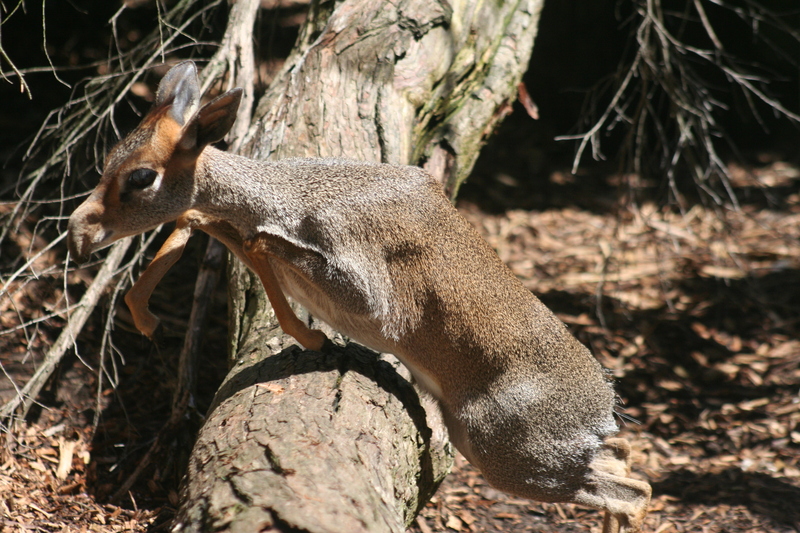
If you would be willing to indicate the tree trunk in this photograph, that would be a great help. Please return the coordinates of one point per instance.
(341, 441)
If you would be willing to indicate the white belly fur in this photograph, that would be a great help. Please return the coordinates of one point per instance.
(364, 329)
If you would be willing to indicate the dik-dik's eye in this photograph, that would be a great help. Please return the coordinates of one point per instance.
(141, 178)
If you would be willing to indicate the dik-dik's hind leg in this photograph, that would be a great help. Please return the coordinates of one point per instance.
(257, 251)
(623, 499)
(138, 297)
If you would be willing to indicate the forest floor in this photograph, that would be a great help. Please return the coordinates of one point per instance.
(695, 313)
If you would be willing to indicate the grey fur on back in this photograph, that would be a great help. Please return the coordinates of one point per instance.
(390, 239)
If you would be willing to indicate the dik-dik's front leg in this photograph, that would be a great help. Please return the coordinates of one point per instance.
(257, 251)
(139, 295)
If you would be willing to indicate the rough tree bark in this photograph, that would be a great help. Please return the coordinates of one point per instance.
(298, 440)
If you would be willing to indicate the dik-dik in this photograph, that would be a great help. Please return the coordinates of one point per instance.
(379, 253)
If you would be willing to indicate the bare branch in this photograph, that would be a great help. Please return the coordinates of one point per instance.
(22, 402)
(663, 95)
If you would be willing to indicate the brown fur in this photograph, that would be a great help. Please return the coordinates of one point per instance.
(379, 253)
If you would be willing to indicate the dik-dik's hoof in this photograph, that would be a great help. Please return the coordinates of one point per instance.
(328, 346)
(148, 324)
(310, 339)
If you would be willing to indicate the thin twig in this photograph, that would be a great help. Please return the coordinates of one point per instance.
(21, 403)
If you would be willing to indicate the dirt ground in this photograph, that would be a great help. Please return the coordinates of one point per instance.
(696, 314)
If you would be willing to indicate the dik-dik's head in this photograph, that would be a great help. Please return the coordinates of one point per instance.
(148, 177)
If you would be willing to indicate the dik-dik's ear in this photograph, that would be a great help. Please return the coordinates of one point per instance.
(212, 122)
(180, 89)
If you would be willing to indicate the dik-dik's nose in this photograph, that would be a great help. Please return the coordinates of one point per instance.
(78, 244)
(82, 230)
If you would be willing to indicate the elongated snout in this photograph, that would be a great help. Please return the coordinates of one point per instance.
(85, 233)
(77, 245)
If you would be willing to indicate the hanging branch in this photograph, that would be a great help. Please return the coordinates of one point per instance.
(667, 105)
